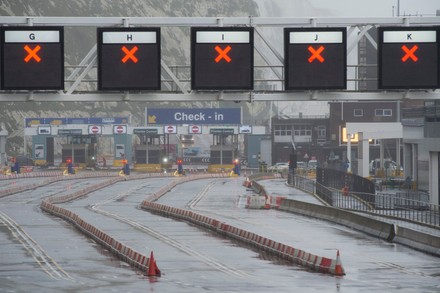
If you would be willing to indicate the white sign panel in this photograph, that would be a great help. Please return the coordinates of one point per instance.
(315, 37)
(170, 129)
(222, 37)
(410, 36)
(119, 129)
(195, 129)
(125, 37)
(39, 151)
(120, 151)
(245, 129)
(44, 130)
(32, 36)
(95, 129)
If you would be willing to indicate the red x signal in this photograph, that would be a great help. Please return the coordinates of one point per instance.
(223, 54)
(32, 53)
(409, 53)
(316, 54)
(129, 54)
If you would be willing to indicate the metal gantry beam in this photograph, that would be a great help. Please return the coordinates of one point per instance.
(357, 28)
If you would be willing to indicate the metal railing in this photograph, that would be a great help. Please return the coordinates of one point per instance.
(412, 206)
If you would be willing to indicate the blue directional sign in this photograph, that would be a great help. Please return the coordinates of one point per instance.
(29, 122)
(193, 116)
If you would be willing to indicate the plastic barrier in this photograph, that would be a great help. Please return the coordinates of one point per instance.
(256, 202)
(324, 265)
(125, 253)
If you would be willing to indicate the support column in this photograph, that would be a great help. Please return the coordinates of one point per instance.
(415, 158)
(365, 156)
(434, 176)
(3, 136)
(398, 156)
(381, 156)
(349, 152)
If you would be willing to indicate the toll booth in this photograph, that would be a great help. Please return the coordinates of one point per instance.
(3, 158)
(81, 150)
(222, 150)
(122, 146)
(87, 141)
(43, 151)
(148, 153)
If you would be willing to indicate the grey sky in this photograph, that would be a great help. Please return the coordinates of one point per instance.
(347, 8)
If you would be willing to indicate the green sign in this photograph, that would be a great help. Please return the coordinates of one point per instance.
(221, 131)
(145, 131)
(69, 131)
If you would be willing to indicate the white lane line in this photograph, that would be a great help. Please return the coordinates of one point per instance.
(47, 264)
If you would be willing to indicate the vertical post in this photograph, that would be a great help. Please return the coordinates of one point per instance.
(73, 153)
(349, 152)
(398, 155)
(365, 155)
(221, 149)
(381, 155)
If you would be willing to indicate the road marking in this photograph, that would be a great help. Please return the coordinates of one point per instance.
(47, 264)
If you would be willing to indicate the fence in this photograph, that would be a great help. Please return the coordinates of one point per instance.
(405, 205)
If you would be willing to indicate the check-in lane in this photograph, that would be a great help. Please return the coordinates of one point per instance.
(197, 260)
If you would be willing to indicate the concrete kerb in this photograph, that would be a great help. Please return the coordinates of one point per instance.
(417, 240)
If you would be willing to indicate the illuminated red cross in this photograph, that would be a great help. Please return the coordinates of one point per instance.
(32, 53)
(409, 53)
(129, 54)
(223, 54)
(316, 54)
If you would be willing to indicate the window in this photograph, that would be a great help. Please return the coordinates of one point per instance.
(322, 132)
(383, 112)
(358, 112)
(283, 130)
(302, 130)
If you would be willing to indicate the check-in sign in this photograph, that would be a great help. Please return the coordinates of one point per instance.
(173, 116)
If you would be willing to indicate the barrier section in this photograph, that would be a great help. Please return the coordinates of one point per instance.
(370, 226)
(333, 267)
(123, 252)
(420, 241)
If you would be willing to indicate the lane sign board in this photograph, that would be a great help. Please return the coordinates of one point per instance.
(129, 58)
(32, 58)
(408, 58)
(315, 58)
(222, 58)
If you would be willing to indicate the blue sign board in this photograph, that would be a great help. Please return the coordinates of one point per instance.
(193, 116)
(29, 122)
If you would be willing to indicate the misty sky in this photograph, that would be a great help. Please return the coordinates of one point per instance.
(349, 8)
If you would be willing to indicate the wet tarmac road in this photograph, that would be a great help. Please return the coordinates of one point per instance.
(193, 259)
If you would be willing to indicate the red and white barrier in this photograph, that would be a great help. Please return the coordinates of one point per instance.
(314, 262)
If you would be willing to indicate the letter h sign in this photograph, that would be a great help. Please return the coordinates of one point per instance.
(129, 59)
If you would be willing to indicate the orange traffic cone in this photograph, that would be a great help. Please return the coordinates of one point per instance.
(339, 270)
(153, 270)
